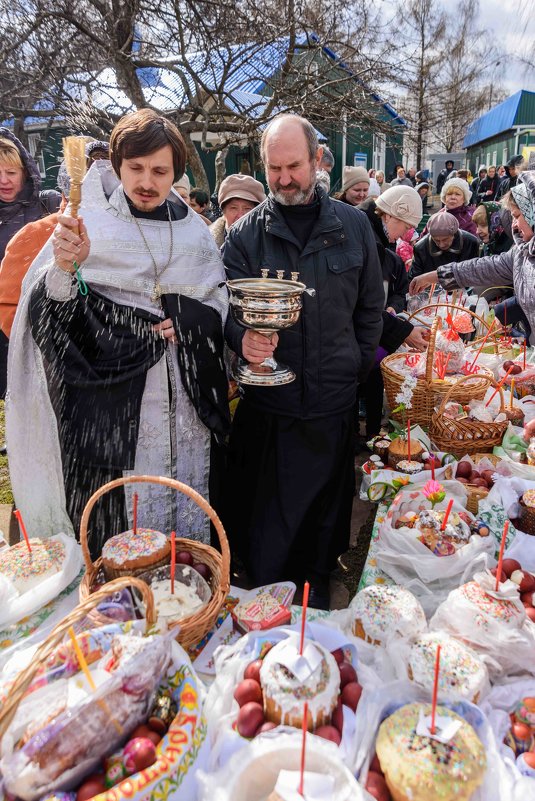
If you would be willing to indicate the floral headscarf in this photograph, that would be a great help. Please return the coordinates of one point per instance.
(524, 200)
(494, 220)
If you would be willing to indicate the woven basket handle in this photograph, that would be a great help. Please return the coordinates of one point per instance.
(26, 676)
(490, 382)
(166, 482)
(449, 306)
(430, 353)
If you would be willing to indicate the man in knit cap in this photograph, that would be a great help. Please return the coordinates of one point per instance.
(444, 243)
(355, 185)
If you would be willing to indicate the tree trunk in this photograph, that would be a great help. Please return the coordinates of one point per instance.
(220, 167)
(195, 164)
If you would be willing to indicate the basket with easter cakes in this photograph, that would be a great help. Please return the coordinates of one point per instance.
(190, 593)
(426, 378)
(511, 710)
(263, 680)
(34, 571)
(519, 374)
(416, 746)
(493, 614)
(428, 540)
(477, 473)
(109, 712)
(271, 768)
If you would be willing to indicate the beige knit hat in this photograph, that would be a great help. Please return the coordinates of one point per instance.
(402, 202)
(244, 187)
(352, 176)
(183, 183)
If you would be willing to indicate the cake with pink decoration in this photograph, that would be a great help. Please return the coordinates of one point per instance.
(25, 569)
(381, 611)
(131, 553)
(286, 685)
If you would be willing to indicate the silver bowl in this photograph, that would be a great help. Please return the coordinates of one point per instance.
(266, 305)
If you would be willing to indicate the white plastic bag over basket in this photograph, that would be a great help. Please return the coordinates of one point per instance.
(402, 556)
(382, 703)
(251, 775)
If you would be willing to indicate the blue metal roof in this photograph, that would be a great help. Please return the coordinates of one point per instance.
(498, 119)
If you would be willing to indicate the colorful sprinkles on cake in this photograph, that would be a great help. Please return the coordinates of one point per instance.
(46, 555)
(125, 546)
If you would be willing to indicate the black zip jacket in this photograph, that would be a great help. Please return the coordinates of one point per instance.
(332, 347)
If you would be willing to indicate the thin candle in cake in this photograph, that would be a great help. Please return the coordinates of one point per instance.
(483, 343)
(173, 561)
(500, 557)
(512, 392)
(499, 384)
(306, 590)
(447, 514)
(23, 529)
(303, 751)
(435, 691)
(134, 514)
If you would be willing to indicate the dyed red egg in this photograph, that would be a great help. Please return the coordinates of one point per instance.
(347, 673)
(139, 753)
(248, 690)
(184, 558)
(203, 570)
(267, 726)
(338, 717)
(351, 695)
(338, 655)
(377, 787)
(250, 718)
(92, 786)
(252, 671)
(329, 733)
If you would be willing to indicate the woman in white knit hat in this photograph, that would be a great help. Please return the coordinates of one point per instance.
(355, 185)
(456, 196)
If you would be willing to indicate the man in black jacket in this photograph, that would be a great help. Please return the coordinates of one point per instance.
(513, 169)
(444, 175)
(445, 243)
(291, 471)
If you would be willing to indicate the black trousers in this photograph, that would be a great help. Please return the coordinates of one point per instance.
(290, 486)
(4, 345)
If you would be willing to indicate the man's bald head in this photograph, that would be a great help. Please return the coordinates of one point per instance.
(291, 155)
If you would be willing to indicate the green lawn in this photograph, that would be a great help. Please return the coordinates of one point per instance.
(6, 496)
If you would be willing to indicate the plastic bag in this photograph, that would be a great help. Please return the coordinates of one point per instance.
(15, 606)
(68, 728)
(251, 774)
(380, 704)
(494, 624)
(410, 563)
(505, 494)
(221, 708)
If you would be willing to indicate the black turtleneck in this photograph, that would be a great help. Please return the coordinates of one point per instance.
(301, 219)
(177, 211)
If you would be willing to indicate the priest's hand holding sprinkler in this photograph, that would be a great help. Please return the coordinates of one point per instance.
(70, 240)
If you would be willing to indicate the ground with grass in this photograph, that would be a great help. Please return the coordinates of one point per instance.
(6, 496)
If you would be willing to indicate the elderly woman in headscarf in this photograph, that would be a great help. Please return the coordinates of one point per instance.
(491, 229)
(444, 243)
(516, 266)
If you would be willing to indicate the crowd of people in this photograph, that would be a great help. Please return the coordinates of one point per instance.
(120, 336)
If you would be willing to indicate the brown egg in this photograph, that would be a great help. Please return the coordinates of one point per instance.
(347, 674)
(203, 570)
(252, 671)
(351, 695)
(462, 480)
(479, 482)
(528, 582)
(248, 690)
(506, 365)
(475, 474)
(338, 655)
(487, 475)
(140, 731)
(92, 786)
(250, 718)
(377, 787)
(516, 369)
(464, 470)
(329, 733)
(338, 717)
(510, 565)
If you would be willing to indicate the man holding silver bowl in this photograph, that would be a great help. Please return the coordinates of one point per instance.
(291, 464)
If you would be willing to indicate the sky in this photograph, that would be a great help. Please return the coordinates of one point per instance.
(512, 24)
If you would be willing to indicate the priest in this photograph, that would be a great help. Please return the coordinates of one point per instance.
(116, 356)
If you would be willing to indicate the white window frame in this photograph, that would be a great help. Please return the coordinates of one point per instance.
(505, 155)
(33, 144)
(495, 158)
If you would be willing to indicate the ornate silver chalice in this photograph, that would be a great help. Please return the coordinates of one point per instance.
(266, 305)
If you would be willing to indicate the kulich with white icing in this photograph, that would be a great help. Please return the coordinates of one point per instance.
(409, 467)
(501, 609)
(420, 768)
(285, 694)
(134, 551)
(462, 671)
(26, 570)
(381, 611)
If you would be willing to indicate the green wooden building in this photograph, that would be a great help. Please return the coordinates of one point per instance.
(506, 130)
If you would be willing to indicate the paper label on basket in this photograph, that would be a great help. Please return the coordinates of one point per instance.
(78, 687)
(301, 666)
(316, 786)
(445, 727)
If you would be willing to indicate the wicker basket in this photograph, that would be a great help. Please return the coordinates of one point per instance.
(467, 436)
(476, 494)
(429, 391)
(43, 652)
(193, 627)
